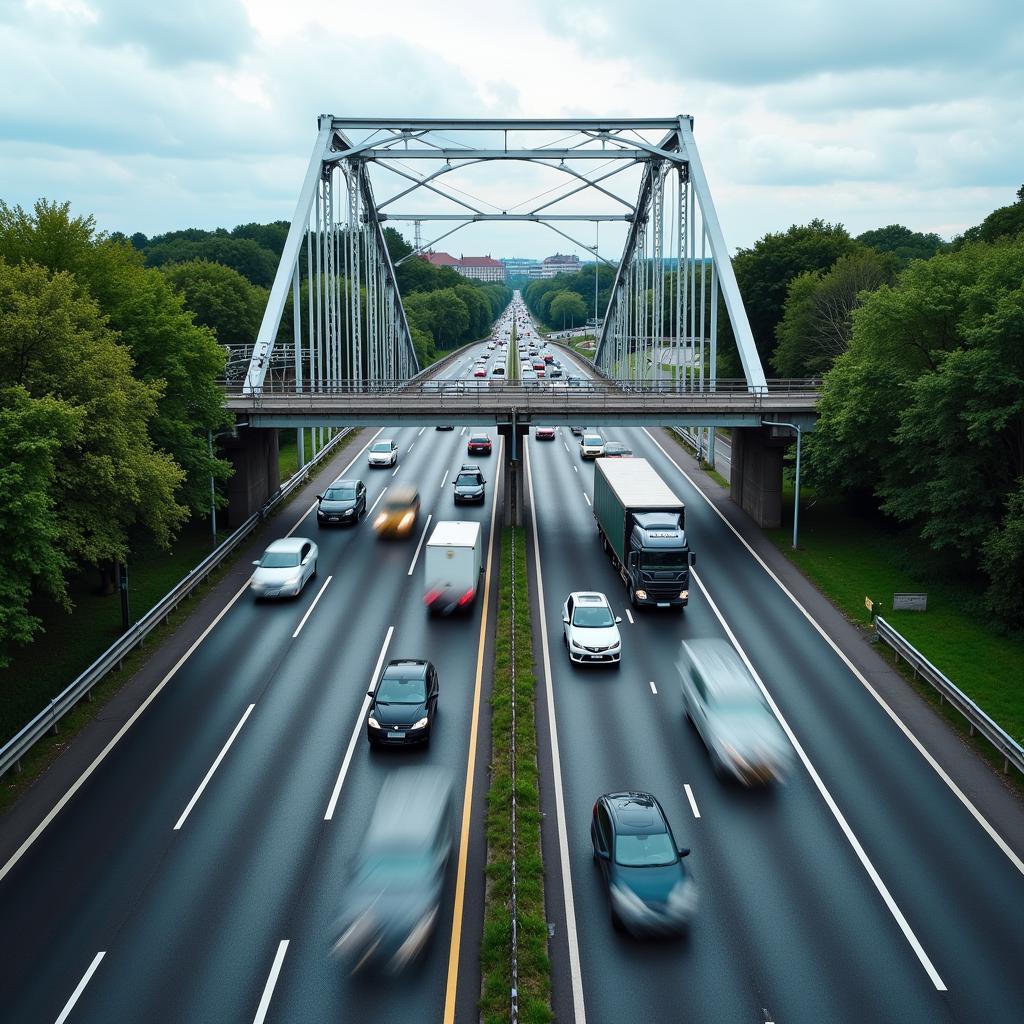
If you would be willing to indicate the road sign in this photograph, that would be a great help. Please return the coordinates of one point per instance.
(910, 602)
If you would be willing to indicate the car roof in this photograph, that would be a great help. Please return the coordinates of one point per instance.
(589, 597)
(636, 813)
(403, 492)
(723, 670)
(406, 668)
(288, 544)
(412, 804)
(344, 481)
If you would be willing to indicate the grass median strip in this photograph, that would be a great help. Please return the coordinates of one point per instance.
(534, 979)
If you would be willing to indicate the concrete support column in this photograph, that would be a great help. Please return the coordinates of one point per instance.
(515, 480)
(257, 472)
(756, 474)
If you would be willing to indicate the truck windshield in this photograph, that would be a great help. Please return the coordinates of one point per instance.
(662, 560)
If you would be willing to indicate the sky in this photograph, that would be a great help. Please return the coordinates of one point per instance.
(202, 113)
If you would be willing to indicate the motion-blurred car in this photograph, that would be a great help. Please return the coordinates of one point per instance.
(725, 704)
(615, 450)
(544, 433)
(382, 453)
(577, 431)
(591, 446)
(392, 901)
(469, 484)
(398, 511)
(649, 889)
(402, 704)
(343, 502)
(479, 444)
(590, 630)
(285, 567)
(548, 357)
(480, 371)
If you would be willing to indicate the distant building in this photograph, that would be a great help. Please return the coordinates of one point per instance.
(479, 268)
(516, 267)
(559, 264)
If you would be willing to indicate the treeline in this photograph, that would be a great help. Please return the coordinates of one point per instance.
(567, 300)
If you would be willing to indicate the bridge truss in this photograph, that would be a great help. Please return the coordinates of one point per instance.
(662, 315)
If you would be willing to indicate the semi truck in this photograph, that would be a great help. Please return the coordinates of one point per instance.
(452, 566)
(641, 525)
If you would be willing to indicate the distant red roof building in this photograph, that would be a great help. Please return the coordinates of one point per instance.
(480, 268)
(440, 259)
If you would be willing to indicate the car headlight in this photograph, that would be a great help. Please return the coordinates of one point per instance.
(373, 723)
(641, 594)
(380, 520)
(421, 724)
(406, 520)
(684, 595)
(615, 646)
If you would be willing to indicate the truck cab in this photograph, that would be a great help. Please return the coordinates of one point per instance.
(658, 560)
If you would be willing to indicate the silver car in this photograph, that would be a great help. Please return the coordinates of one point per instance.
(727, 708)
(590, 630)
(284, 568)
(382, 453)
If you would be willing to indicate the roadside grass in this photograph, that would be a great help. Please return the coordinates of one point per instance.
(534, 978)
(850, 557)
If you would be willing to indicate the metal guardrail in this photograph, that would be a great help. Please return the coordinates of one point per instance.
(46, 721)
(1012, 752)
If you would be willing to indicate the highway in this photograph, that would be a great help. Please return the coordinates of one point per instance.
(861, 889)
(194, 876)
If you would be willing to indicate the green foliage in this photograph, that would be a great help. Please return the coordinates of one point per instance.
(818, 318)
(539, 293)
(220, 298)
(1003, 562)
(245, 255)
(568, 307)
(926, 408)
(904, 244)
(1006, 222)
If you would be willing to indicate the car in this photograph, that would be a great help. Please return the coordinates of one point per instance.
(398, 512)
(528, 377)
(285, 567)
(383, 453)
(480, 371)
(615, 450)
(547, 356)
(728, 710)
(581, 382)
(554, 371)
(591, 446)
(444, 426)
(479, 444)
(544, 433)
(498, 370)
(469, 484)
(392, 902)
(344, 501)
(402, 704)
(538, 364)
(577, 431)
(650, 891)
(590, 629)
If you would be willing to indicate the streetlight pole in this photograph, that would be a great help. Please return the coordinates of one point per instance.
(796, 486)
(213, 492)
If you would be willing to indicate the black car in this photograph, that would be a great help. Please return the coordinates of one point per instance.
(616, 450)
(469, 484)
(649, 888)
(403, 704)
(444, 426)
(343, 502)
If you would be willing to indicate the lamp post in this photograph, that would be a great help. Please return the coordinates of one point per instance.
(796, 486)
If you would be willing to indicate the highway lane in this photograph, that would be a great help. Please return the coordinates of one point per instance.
(790, 920)
(190, 920)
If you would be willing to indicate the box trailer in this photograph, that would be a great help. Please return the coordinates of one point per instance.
(451, 565)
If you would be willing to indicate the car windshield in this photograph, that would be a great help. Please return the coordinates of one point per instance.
(340, 493)
(467, 479)
(397, 504)
(279, 560)
(396, 690)
(594, 616)
(662, 560)
(391, 866)
(381, 446)
(645, 851)
(592, 439)
(479, 440)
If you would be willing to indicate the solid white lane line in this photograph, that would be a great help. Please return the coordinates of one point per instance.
(654, 689)
(421, 431)
(689, 796)
(585, 498)
(1017, 862)
(423, 537)
(579, 1012)
(379, 496)
(445, 477)
(309, 611)
(70, 1004)
(629, 615)
(829, 801)
(216, 764)
(268, 989)
(333, 803)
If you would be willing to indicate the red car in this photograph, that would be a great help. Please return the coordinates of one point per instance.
(480, 371)
(548, 356)
(479, 444)
(544, 433)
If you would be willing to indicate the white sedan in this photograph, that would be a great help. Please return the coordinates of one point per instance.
(382, 453)
(589, 629)
(284, 568)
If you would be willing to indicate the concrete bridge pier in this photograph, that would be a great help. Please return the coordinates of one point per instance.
(756, 474)
(515, 481)
(254, 456)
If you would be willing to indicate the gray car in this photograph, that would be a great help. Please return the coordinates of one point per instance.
(342, 503)
(284, 568)
(726, 706)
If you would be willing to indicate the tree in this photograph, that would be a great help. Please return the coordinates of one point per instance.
(220, 298)
(904, 244)
(567, 306)
(54, 342)
(818, 317)
(1003, 562)
(33, 432)
(249, 258)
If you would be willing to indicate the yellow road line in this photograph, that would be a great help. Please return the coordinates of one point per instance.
(467, 800)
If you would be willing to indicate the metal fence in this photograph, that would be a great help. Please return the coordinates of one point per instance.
(1012, 752)
(46, 721)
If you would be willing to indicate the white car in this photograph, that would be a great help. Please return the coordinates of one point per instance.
(591, 446)
(590, 630)
(284, 568)
(382, 453)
